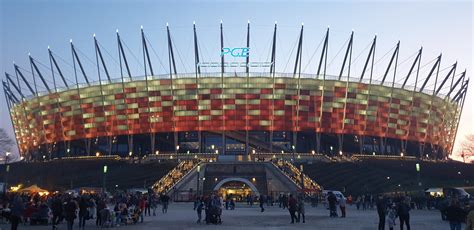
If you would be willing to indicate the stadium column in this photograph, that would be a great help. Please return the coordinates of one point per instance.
(247, 71)
(75, 58)
(121, 55)
(394, 57)
(324, 56)
(417, 60)
(98, 54)
(299, 53)
(9, 105)
(58, 104)
(197, 73)
(369, 57)
(272, 72)
(172, 66)
(47, 142)
(463, 99)
(454, 128)
(435, 66)
(146, 57)
(222, 92)
(430, 114)
(443, 141)
(340, 135)
(28, 153)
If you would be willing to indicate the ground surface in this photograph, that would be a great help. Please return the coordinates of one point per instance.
(181, 216)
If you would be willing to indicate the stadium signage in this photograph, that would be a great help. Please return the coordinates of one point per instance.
(236, 52)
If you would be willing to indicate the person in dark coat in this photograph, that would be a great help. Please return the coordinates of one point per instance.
(455, 215)
(83, 212)
(17, 208)
(292, 207)
(57, 210)
(262, 202)
(332, 200)
(404, 213)
(381, 205)
(70, 213)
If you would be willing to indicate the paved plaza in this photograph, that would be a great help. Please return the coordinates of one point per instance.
(182, 216)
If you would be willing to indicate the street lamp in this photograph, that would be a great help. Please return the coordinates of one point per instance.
(198, 170)
(104, 178)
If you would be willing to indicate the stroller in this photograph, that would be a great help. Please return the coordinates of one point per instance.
(214, 215)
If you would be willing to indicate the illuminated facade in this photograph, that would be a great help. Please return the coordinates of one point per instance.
(285, 105)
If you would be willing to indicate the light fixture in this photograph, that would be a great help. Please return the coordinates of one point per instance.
(253, 179)
(401, 154)
(212, 146)
(340, 153)
(157, 152)
(253, 151)
(97, 154)
(313, 152)
(130, 153)
(177, 147)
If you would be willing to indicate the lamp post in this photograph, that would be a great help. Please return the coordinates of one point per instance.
(293, 148)
(104, 178)
(198, 169)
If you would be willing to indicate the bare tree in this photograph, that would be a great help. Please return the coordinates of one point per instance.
(467, 147)
(6, 143)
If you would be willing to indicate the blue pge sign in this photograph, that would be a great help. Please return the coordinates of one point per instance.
(236, 52)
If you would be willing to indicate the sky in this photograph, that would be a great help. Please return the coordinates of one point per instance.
(30, 26)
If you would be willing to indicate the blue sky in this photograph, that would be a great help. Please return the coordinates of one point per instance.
(438, 26)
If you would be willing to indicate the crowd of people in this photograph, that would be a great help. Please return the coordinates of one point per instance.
(104, 210)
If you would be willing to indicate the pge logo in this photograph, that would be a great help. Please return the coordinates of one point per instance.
(236, 52)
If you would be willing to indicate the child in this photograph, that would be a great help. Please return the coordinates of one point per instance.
(391, 216)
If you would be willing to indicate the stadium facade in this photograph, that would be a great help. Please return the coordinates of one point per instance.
(238, 114)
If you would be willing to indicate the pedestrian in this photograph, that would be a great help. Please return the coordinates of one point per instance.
(70, 213)
(199, 207)
(164, 202)
(332, 200)
(391, 216)
(261, 200)
(142, 206)
(404, 213)
(56, 210)
(455, 215)
(292, 207)
(16, 212)
(83, 213)
(381, 205)
(342, 206)
(301, 210)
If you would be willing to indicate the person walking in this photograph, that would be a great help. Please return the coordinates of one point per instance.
(381, 205)
(391, 216)
(164, 202)
(56, 210)
(199, 207)
(70, 213)
(83, 213)
(261, 200)
(342, 206)
(17, 208)
(404, 213)
(292, 207)
(455, 215)
(301, 210)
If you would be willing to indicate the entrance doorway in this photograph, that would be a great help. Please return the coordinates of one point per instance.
(236, 188)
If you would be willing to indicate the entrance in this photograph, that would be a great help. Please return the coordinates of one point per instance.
(235, 190)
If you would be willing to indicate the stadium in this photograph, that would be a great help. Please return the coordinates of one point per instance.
(253, 132)
(236, 114)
